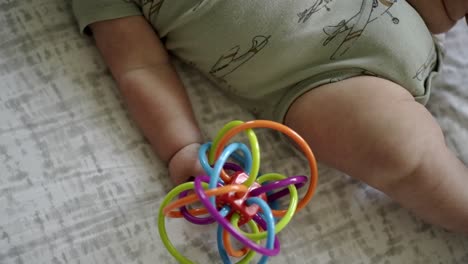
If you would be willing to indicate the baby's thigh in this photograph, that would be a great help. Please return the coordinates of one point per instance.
(365, 126)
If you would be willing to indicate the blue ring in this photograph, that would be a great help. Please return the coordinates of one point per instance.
(219, 233)
(270, 221)
(267, 217)
(231, 148)
(204, 158)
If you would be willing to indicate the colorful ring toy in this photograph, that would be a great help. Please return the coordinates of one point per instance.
(234, 194)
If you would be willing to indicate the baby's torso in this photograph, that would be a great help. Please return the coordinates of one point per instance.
(258, 47)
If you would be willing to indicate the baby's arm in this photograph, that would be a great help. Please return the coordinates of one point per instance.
(441, 15)
(154, 95)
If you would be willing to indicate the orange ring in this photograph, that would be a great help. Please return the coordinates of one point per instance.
(194, 212)
(294, 136)
(230, 250)
(194, 198)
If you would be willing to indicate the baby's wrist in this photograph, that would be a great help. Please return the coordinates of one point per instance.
(187, 148)
(185, 163)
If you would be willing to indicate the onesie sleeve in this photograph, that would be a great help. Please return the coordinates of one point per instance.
(89, 11)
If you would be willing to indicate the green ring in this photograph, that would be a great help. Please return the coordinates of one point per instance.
(162, 224)
(163, 232)
(218, 137)
(254, 146)
(286, 218)
(249, 256)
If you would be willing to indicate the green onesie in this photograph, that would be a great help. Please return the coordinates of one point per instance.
(266, 53)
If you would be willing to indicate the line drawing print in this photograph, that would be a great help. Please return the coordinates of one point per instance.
(316, 7)
(154, 7)
(354, 27)
(233, 59)
(426, 67)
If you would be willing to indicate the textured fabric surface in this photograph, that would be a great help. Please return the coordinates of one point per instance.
(79, 184)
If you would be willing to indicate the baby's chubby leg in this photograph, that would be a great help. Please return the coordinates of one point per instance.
(374, 130)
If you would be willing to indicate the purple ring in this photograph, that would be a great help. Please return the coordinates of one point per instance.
(226, 225)
(203, 220)
(232, 166)
(261, 222)
(190, 217)
(298, 181)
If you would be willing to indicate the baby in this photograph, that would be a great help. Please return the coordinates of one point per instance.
(350, 76)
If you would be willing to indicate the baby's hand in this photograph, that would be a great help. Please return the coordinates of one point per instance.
(185, 164)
